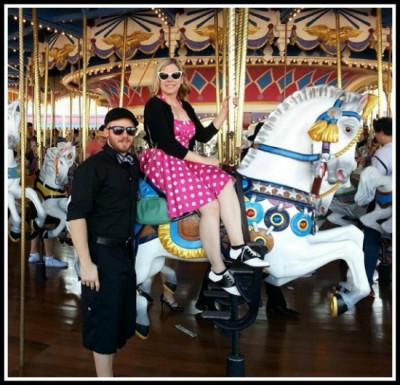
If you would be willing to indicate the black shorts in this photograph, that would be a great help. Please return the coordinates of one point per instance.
(109, 315)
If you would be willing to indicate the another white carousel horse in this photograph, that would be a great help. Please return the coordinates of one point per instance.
(319, 125)
(50, 185)
(14, 179)
(374, 185)
(339, 207)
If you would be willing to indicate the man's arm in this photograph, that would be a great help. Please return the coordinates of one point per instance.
(88, 270)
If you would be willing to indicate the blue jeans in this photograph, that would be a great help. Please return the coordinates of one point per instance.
(371, 248)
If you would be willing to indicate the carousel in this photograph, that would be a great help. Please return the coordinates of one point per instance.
(313, 76)
(108, 55)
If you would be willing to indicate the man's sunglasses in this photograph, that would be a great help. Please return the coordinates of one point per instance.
(174, 75)
(118, 130)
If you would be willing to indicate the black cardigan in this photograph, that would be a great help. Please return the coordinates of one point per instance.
(159, 124)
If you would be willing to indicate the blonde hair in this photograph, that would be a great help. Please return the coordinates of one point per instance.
(184, 89)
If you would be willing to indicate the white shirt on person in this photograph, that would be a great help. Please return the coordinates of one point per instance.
(382, 159)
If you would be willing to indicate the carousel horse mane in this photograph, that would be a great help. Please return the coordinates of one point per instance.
(374, 185)
(56, 164)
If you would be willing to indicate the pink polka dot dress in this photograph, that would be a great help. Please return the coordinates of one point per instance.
(187, 185)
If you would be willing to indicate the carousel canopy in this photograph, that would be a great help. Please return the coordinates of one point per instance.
(287, 48)
(55, 21)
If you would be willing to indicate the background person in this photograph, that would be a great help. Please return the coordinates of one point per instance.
(382, 160)
(97, 143)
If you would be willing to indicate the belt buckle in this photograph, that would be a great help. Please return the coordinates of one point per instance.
(127, 242)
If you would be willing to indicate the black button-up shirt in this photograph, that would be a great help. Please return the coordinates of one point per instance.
(104, 192)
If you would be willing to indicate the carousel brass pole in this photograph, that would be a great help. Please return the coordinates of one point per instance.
(70, 111)
(121, 92)
(95, 114)
(379, 55)
(52, 116)
(285, 65)
(36, 85)
(240, 86)
(80, 92)
(170, 48)
(338, 53)
(232, 78)
(85, 126)
(217, 85)
(22, 130)
(389, 79)
(222, 134)
(42, 138)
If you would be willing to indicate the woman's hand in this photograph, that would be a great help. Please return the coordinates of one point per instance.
(225, 103)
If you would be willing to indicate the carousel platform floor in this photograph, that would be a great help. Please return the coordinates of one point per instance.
(356, 345)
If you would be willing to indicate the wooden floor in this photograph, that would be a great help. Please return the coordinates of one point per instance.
(357, 345)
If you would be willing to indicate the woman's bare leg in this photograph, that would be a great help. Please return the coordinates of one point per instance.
(210, 235)
(231, 214)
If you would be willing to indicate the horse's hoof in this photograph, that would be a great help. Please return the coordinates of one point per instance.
(32, 234)
(340, 289)
(338, 306)
(14, 237)
(142, 331)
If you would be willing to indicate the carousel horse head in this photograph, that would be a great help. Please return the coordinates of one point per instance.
(57, 162)
(13, 124)
(317, 125)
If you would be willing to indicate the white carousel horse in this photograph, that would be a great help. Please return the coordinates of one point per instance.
(50, 185)
(339, 208)
(14, 179)
(277, 179)
(374, 185)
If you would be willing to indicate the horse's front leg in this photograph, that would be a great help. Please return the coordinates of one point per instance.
(41, 213)
(347, 243)
(356, 287)
(142, 318)
(15, 219)
(54, 233)
(150, 260)
(53, 209)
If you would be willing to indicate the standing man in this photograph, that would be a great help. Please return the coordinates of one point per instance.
(101, 217)
(382, 160)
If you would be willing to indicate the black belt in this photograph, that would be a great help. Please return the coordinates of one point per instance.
(112, 242)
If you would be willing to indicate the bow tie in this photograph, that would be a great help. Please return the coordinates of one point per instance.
(128, 158)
